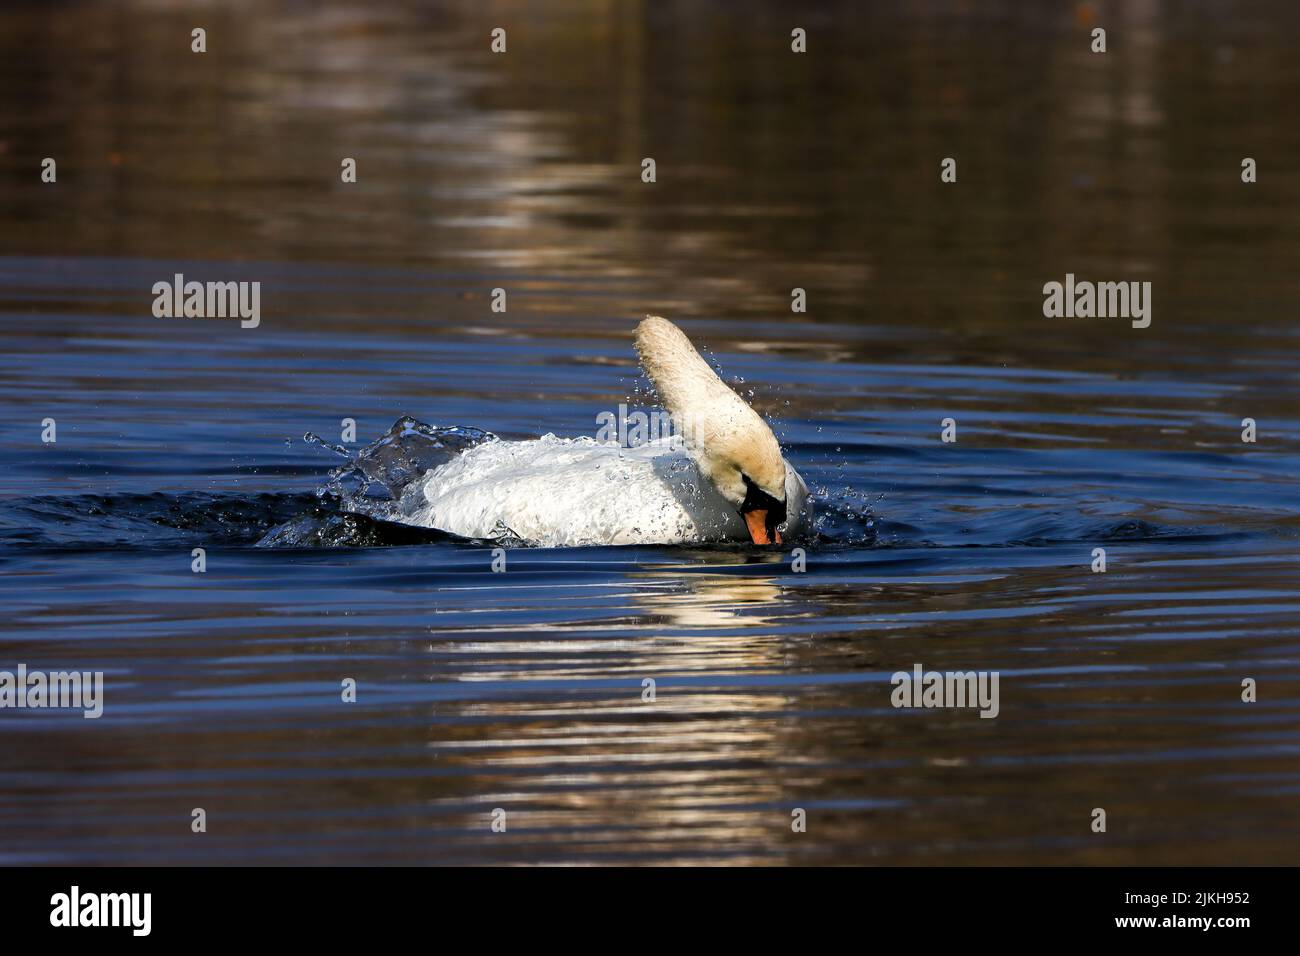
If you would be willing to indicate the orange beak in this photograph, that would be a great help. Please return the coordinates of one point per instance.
(756, 521)
(762, 514)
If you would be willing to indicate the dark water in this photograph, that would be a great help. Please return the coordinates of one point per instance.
(522, 690)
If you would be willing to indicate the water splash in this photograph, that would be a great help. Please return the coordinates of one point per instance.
(388, 466)
(362, 501)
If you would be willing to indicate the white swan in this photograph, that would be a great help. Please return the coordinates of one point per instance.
(724, 479)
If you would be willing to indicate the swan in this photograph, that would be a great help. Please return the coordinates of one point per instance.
(720, 478)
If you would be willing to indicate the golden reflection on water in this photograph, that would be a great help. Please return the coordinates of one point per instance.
(530, 161)
(675, 766)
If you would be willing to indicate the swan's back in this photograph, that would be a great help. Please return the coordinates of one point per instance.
(559, 492)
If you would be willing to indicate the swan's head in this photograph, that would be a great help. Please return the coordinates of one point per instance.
(731, 444)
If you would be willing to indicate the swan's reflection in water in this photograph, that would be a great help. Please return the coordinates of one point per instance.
(716, 601)
(575, 742)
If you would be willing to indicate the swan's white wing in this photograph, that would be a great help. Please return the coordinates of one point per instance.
(556, 492)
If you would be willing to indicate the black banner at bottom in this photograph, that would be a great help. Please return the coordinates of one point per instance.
(332, 906)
